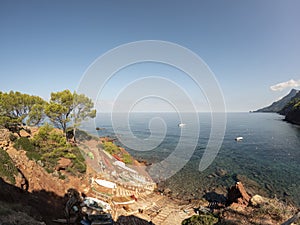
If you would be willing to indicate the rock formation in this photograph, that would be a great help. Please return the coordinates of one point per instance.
(238, 195)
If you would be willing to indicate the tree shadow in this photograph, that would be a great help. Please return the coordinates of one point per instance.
(215, 200)
(132, 220)
(40, 205)
(47, 206)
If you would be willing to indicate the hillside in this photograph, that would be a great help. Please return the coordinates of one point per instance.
(291, 111)
(289, 106)
(280, 104)
(31, 193)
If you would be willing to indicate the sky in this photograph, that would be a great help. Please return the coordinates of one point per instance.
(251, 47)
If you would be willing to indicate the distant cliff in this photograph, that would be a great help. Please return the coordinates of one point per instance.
(280, 104)
(289, 106)
(292, 110)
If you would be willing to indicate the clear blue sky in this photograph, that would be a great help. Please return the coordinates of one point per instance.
(250, 46)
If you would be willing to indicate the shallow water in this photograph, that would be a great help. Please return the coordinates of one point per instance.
(269, 155)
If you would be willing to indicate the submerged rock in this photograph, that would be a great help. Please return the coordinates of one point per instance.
(221, 172)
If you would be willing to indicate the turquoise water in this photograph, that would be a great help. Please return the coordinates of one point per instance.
(267, 159)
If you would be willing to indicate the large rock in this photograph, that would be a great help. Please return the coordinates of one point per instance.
(257, 200)
(63, 163)
(4, 134)
(237, 194)
(4, 138)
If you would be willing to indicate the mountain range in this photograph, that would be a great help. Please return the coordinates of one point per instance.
(289, 106)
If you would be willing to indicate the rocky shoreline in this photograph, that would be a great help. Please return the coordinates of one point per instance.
(158, 206)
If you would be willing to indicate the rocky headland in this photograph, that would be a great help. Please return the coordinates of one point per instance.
(288, 106)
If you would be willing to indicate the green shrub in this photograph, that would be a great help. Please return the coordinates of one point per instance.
(48, 170)
(127, 159)
(12, 137)
(61, 176)
(111, 148)
(91, 155)
(206, 219)
(70, 156)
(49, 145)
(79, 166)
(8, 169)
(34, 156)
(71, 171)
(24, 143)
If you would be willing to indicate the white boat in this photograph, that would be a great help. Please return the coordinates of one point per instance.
(239, 138)
(181, 124)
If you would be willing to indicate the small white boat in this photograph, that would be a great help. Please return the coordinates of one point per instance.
(239, 138)
(181, 124)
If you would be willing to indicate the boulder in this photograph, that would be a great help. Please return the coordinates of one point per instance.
(167, 191)
(237, 194)
(63, 163)
(221, 172)
(25, 133)
(4, 134)
(257, 200)
(4, 144)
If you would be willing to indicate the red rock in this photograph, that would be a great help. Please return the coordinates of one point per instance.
(63, 163)
(237, 194)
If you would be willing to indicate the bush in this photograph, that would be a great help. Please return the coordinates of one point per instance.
(49, 145)
(79, 166)
(8, 169)
(206, 219)
(12, 137)
(24, 143)
(61, 176)
(127, 159)
(33, 156)
(111, 148)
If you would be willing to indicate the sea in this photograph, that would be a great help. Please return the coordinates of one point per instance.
(267, 160)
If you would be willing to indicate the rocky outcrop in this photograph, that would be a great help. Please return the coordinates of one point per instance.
(291, 111)
(293, 116)
(257, 200)
(238, 195)
(289, 106)
(4, 138)
(63, 164)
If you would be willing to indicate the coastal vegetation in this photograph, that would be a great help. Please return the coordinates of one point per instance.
(65, 106)
(63, 109)
(205, 219)
(8, 170)
(117, 152)
(48, 145)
